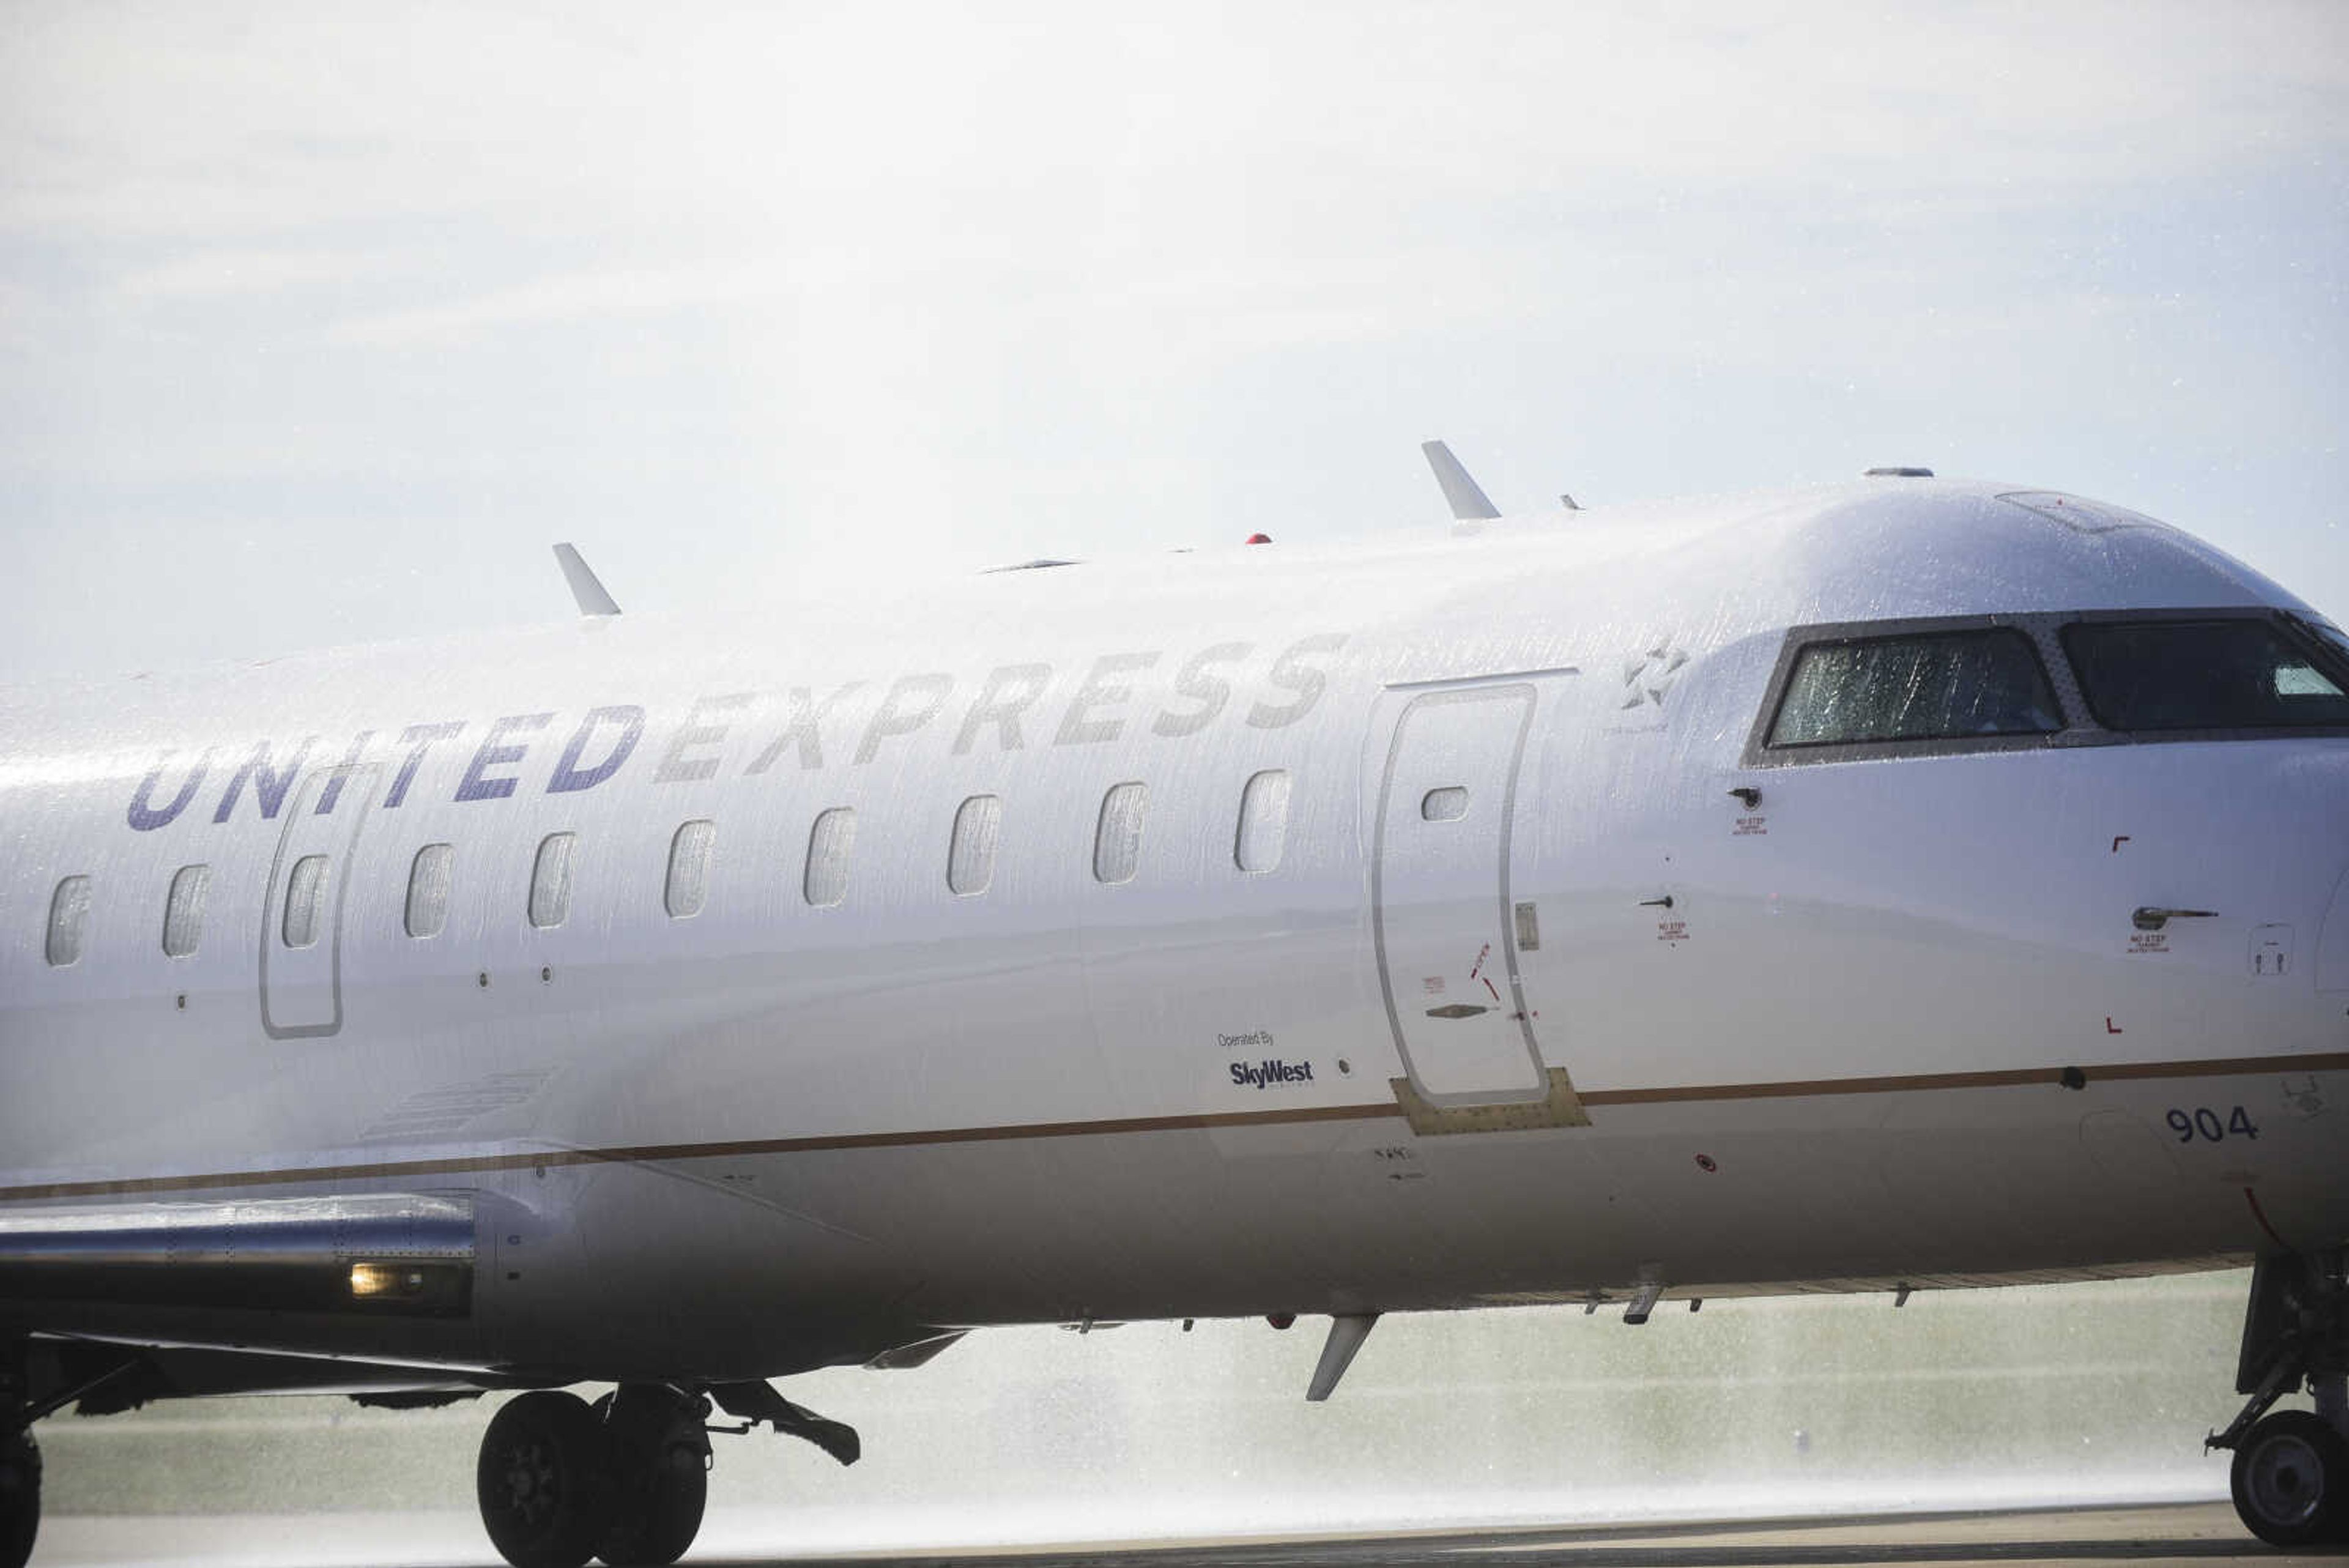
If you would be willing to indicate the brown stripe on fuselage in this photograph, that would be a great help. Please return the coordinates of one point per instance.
(1925, 1083)
(646, 1153)
(1916, 1083)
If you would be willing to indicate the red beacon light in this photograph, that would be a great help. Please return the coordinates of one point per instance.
(1259, 539)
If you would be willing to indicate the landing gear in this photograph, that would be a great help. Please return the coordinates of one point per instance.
(624, 1482)
(2291, 1474)
(20, 1457)
(2291, 1478)
(659, 1456)
(20, 1497)
(545, 1497)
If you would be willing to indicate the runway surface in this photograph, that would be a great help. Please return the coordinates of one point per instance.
(2198, 1533)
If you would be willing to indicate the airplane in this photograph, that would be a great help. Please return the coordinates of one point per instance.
(1898, 885)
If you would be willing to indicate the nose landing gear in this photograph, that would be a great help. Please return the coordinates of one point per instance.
(2290, 1473)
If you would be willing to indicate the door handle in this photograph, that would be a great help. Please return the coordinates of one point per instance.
(1664, 903)
(2148, 918)
(1457, 1010)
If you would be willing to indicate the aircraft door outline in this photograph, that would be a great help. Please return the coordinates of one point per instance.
(1441, 916)
(301, 981)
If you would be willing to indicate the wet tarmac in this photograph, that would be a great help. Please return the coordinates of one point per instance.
(2198, 1533)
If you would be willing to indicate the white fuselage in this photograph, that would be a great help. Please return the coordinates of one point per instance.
(773, 1130)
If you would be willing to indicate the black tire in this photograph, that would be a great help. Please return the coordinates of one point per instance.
(2290, 1479)
(660, 1486)
(544, 1481)
(20, 1498)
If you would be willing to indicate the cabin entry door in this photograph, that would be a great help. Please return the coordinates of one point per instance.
(1440, 897)
(301, 933)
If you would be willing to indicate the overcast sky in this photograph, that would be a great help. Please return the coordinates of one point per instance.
(318, 323)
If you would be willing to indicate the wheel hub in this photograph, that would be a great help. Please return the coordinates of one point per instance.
(533, 1485)
(2284, 1479)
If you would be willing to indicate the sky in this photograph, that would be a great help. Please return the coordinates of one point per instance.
(320, 322)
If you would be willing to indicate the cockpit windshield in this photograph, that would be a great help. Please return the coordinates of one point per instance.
(1941, 685)
(2240, 673)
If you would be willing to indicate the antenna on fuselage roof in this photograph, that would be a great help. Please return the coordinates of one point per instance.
(584, 588)
(1467, 502)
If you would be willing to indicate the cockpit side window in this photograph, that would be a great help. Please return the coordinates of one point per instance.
(2236, 673)
(2332, 634)
(2331, 639)
(1922, 686)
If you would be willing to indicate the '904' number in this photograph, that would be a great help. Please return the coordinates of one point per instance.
(2204, 1123)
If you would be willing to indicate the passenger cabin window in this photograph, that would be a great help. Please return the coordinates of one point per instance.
(68, 913)
(1117, 836)
(1448, 803)
(825, 882)
(971, 859)
(2240, 673)
(687, 886)
(183, 910)
(550, 880)
(1922, 686)
(1264, 822)
(305, 901)
(427, 890)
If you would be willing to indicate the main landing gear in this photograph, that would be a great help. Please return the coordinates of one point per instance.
(2291, 1476)
(623, 1480)
(20, 1458)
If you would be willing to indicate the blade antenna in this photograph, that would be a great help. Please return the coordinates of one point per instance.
(584, 588)
(1467, 502)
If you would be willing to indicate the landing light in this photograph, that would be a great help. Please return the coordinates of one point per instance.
(412, 1287)
(372, 1281)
